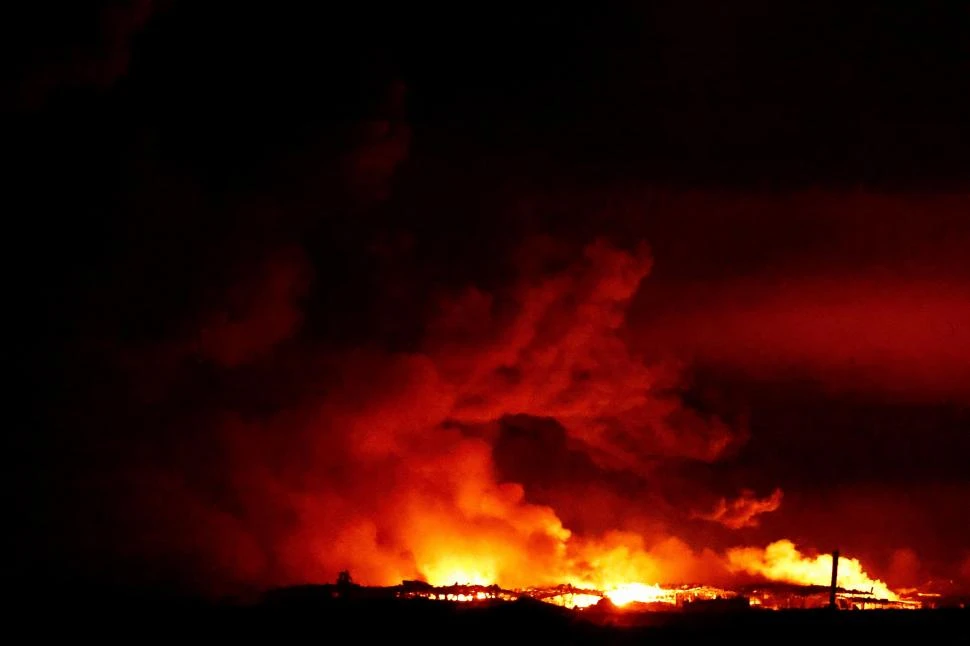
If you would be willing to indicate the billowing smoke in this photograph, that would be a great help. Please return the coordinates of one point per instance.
(382, 462)
(514, 436)
(510, 434)
(904, 569)
(743, 511)
(89, 47)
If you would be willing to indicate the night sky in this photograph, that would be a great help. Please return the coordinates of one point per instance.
(658, 254)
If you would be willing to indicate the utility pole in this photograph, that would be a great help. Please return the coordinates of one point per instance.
(835, 578)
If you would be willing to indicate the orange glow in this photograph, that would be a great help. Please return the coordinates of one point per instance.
(419, 494)
(582, 601)
(452, 570)
(616, 566)
(411, 436)
(781, 561)
(626, 593)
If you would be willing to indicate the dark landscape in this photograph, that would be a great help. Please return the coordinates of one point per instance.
(126, 616)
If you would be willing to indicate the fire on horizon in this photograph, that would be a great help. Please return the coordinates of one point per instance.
(780, 562)
(854, 591)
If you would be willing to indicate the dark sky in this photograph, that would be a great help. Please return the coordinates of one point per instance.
(240, 238)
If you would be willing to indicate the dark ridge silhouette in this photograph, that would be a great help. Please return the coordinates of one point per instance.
(317, 612)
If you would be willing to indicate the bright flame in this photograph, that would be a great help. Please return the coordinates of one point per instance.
(450, 572)
(584, 600)
(781, 561)
(615, 567)
(626, 593)
(573, 600)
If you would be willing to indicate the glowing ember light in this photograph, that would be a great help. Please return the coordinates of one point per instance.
(781, 561)
(448, 572)
(476, 568)
(583, 601)
(626, 593)
(577, 600)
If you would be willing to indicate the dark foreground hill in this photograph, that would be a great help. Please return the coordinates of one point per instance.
(420, 621)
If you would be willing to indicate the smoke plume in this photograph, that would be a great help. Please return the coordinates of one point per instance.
(389, 470)
(743, 511)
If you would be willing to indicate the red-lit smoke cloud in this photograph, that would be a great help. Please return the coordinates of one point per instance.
(910, 339)
(313, 457)
(552, 350)
(382, 462)
(904, 569)
(88, 45)
(743, 511)
(258, 311)
(859, 292)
